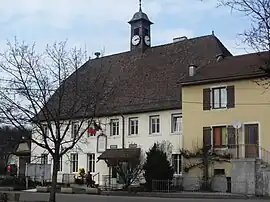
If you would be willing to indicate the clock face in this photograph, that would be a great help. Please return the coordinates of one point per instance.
(136, 40)
(147, 40)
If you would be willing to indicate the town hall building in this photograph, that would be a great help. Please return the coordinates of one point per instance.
(143, 103)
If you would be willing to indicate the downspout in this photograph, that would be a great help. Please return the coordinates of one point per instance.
(123, 131)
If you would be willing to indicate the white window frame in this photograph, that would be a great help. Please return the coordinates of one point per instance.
(178, 167)
(133, 126)
(174, 122)
(74, 129)
(44, 159)
(74, 162)
(156, 128)
(114, 131)
(91, 162)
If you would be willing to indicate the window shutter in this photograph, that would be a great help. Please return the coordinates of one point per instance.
(230, 97)
(231, 137)
(207, 137)
(206, 99)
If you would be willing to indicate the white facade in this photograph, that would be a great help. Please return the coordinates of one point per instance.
(143, 129)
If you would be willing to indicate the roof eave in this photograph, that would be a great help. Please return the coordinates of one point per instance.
(214, 80)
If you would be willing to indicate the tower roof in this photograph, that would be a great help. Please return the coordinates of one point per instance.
(140, 15)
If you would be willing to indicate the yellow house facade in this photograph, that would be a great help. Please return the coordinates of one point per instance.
(227, 105)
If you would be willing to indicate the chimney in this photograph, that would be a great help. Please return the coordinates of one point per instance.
(192, 70)
(97, 54)
(219, 57)
(178, 39)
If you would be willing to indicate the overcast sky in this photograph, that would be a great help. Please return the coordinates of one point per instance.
(102, 24)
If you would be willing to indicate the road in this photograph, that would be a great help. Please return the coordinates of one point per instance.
(86, 198)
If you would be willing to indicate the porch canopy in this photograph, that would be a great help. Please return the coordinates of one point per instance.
(114, 156)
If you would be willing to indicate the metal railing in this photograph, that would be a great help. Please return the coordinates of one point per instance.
(240, 151)
(98, 176)
(196, 184)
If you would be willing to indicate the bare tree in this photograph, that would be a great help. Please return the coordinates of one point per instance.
(129, 170)
(258, 35)
(202, 156)
(44, 91)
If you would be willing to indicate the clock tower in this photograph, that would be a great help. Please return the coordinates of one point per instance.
(140, 31)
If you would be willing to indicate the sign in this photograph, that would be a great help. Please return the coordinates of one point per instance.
(101, 143)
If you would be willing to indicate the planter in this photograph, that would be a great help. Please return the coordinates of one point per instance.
(67, 190)
(191, 182)
(43, 189)
(219, 183)
(92, 191)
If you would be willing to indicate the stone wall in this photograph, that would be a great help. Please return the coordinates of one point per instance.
(243, 176)
(263, 179)
(250, 176)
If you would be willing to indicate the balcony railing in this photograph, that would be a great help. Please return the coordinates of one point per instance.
(244, 151)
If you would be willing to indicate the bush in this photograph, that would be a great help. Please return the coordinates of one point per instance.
(157, 166)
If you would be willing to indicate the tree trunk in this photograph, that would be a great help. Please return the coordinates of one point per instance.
(54, 177)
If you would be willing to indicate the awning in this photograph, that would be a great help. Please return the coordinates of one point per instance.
(127, 154)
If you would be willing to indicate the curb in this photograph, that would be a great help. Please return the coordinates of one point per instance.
(178, 195)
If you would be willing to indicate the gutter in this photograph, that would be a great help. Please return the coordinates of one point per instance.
(123, 131)
(233, 78)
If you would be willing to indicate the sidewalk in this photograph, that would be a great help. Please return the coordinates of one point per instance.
(203, 195)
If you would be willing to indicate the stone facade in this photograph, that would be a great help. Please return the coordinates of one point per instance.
(250, 176)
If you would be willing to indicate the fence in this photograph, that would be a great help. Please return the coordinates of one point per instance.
(196, 184)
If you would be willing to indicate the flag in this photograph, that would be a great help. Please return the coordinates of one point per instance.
(92, 131)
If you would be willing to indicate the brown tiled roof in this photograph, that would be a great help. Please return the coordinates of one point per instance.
(140, 82)
(123, 154)
(230, 68)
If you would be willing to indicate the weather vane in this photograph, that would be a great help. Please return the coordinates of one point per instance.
(140, 5)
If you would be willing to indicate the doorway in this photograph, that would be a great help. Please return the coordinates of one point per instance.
(251, 140)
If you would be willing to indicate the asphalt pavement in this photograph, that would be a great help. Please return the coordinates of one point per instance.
(39, 197)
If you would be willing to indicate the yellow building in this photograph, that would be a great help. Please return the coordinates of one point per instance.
(227, 105)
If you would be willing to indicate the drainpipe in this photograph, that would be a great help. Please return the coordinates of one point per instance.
(123, 131)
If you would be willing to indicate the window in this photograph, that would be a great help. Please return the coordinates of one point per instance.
(91, 162)
(177, 163)
(146, 32)
(216, 98)
(113, 147)
(154, 124)
(60, 166)
(91, 131)
(45, 128)
(219, 136)
(74, 162)
(133, 126)
(136, 31)
(114, 127)
(44, 159)
(114, 172)
(176, 123)
(75, 130)
(219, 97)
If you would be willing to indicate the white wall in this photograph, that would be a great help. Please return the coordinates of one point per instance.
(144, 140)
